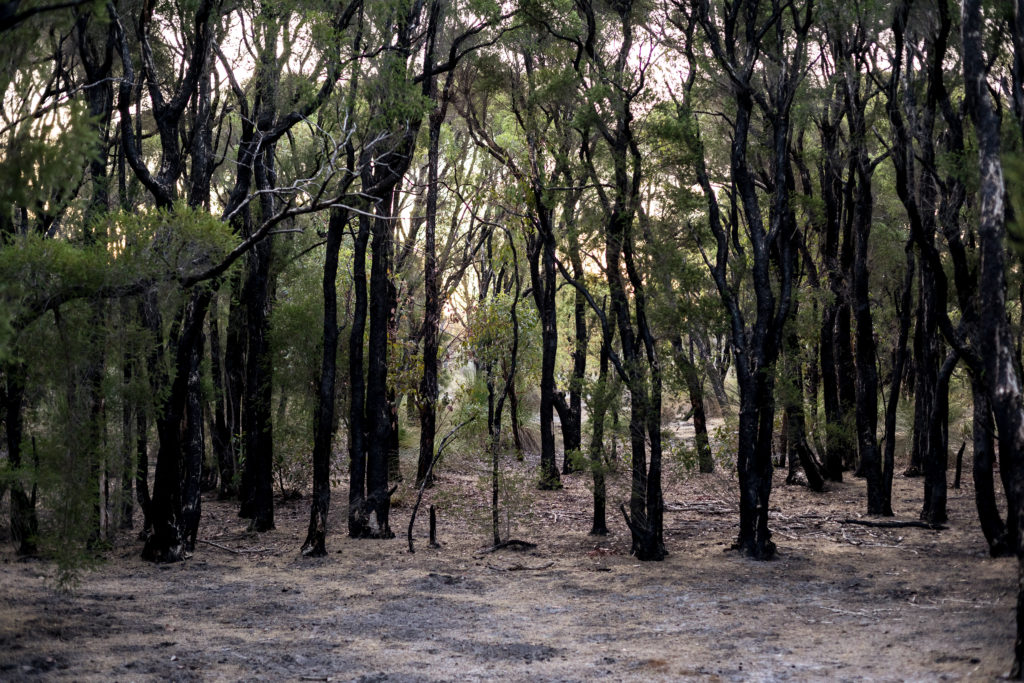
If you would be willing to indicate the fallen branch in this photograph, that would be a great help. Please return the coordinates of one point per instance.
(895, 524)
(520, 568)
(236, 551)
(510, 543)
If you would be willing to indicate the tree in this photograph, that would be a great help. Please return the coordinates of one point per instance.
(744, 39)
(1001, 367)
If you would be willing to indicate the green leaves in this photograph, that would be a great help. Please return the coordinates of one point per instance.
(34, 168)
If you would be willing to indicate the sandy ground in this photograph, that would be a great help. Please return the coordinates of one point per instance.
(841, 602)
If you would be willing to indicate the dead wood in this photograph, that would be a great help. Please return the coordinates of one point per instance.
(510, 543)
(895, 524)
(520, 567)
(237, 551)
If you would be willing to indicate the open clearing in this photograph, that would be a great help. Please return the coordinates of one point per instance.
(842, 601)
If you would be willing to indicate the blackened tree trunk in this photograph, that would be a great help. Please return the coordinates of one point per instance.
(936, 463)
(899, 362)
(926, 366)
(833, 457)
(572, 431)
(128, 408)
(220, 434)
(24, 521)
(992, 526)
(193, 448)
(234, 377)
(513, 412)
(357, 527)
(803, 466)
(258, 504)
(168, 542)
(602, 396)
(432, 297)
(736, 39)
(378, 418)
(323, 436)
(695, 389)
(833, 351)
(847, 374)
(572, 423)
(1002, 374)
(867, 371)
(149, 314)
(542, 276)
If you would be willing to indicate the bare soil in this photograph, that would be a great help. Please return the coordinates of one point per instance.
(841, 602)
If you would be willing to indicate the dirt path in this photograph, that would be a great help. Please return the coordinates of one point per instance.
(841, 602)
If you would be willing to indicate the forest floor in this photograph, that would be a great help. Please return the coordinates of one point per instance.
(841, 601)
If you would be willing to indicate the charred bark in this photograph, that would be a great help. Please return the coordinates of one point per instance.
(357, 527)
(803, 465)
(378, 416)
(541, 254)
(1001, 369)
(258, 492)
(598, 466)
(695, 389)
(24, 520)
(323, 436)
(171, 500)
(1000, 542)
(936, 463)
(899, 361)
(220, 433)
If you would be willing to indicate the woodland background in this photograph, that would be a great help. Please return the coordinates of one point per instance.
(259, 250)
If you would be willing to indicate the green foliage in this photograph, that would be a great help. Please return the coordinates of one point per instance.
(489, 331)
(36, 158)
(1013, 167)
(725, 444)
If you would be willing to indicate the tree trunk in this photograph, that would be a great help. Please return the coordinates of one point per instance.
(754, 465)
(323, 436)
(542, 276)
(194, 450)
(572, 436)
(565, 418)
(378, 417)
(149, 314)
(846, 434)
(220, 436)
(695, 388)
(926, 365)
(602, 396)
(513, 410)
(431, 304)
(24, 521)
(357, 526)
(1001, 369)
(258, 503)
(803, 466)
(169, 505)
(128, 362)
(936, 463)
(899, 361)
(1000, 543)
(234, 380)
(866, 371)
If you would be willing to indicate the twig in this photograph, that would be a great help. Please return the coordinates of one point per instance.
(426, 478)
(519, 567)
(895, 524)
(236, 551)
